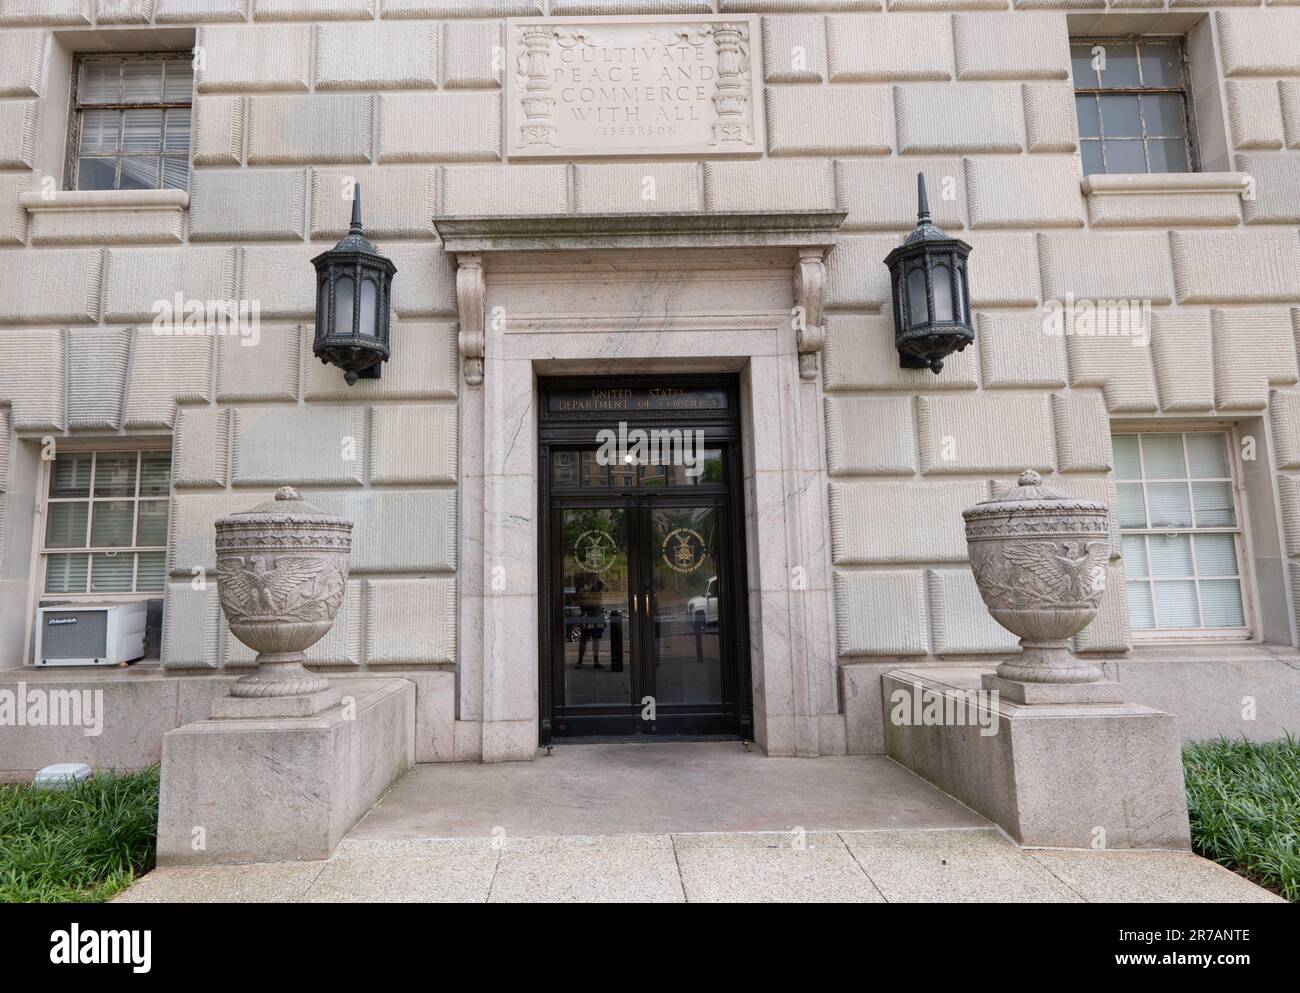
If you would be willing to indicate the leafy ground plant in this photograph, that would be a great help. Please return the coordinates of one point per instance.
(77, 845)
(1244, 802)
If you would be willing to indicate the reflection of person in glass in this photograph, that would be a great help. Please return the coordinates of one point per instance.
(591, 607)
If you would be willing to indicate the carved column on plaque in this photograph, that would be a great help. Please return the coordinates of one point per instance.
(732, 97)
(469, 301)
(537, 102)
(809, 287)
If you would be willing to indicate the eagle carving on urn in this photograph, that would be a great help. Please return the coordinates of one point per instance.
(250, 586)
(1069, 571)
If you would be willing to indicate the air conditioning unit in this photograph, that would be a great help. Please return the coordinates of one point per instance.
(90, 634)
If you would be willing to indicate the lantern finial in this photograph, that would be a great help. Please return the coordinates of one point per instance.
(922, 204)
(356, 209)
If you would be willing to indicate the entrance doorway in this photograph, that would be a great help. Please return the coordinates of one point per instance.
(644, 628)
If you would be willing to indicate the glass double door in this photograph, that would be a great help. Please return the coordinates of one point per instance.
(643, 626)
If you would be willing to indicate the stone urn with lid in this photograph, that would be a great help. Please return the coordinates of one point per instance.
(282, 569)
(1039, 558)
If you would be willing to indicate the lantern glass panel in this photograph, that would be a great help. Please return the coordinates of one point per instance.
(942, 277)
(343, 289)
(323, 305)
(917, 305)
(369, 311)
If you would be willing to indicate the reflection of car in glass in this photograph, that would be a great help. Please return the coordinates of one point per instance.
(703, 610)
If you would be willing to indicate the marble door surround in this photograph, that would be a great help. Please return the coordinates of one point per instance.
(644, 293)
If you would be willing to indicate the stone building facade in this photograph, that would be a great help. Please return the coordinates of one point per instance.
(517, 263)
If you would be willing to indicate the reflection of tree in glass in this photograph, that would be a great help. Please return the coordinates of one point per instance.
(608, 523)
(712, 470)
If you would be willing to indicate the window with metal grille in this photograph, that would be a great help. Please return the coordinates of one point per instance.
(130, 122)
(106, 522)
(1132, 103)
(1181, 529)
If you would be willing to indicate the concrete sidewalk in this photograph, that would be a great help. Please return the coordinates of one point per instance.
(695, 822)
(959, 865)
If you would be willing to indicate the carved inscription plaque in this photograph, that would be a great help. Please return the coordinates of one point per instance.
(639, 86)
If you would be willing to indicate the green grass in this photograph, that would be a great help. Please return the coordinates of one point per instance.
(80, 845)
(1244, 802)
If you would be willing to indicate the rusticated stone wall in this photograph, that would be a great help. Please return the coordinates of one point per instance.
(296, 98)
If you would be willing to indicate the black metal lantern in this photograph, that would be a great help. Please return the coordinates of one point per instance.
(353, 282)
(931, 293)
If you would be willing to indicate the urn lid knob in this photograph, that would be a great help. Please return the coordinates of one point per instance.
(1030, 492)
(1030, 486)
(286, 505)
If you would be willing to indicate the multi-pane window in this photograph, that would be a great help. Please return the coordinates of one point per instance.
(1131, 98)
(1181, 530)
(587, 469)
(106, 522)
(131, 123)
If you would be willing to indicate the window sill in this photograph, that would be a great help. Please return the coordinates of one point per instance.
(1201, 651)
(93, 217)
(1138, 199)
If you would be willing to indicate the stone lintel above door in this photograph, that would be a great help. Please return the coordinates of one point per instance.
(588, 232)
(664, 248)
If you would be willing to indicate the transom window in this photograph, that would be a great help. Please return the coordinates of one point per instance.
(1181, 531)
(585, 468)
(106, 522)
(1131, 98)
(131, 122)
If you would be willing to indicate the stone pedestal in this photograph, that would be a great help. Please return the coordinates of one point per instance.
(299, 705)
(1083, 775)
(1102, 691)
(265, 789)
